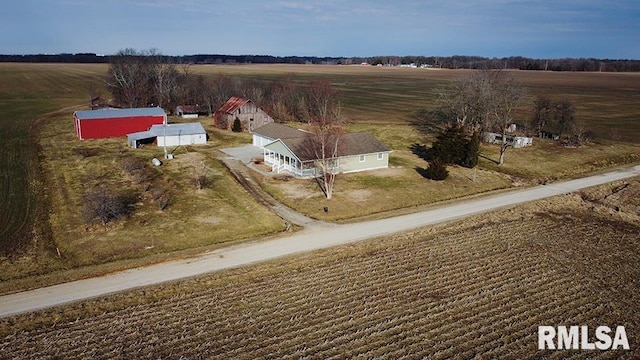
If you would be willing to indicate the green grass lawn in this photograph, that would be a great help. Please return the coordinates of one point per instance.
(549, 160)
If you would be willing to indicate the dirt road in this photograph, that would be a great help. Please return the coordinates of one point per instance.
(312, 238)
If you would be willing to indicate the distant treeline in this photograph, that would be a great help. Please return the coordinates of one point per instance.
(449, 62)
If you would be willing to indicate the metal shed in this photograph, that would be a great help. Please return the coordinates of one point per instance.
(170, 135)
(106, 123)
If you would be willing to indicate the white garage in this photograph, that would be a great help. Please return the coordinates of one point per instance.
(170, 135)
(271, 132)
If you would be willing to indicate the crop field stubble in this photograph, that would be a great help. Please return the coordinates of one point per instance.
(479, 287)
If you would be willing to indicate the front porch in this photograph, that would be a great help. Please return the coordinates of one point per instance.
(283, 163)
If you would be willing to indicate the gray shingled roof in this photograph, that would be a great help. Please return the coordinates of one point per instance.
(278, 131)
(350, 144)
(118, 113)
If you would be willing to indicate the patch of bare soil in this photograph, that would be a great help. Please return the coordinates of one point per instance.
(359, 195)
(296, 190)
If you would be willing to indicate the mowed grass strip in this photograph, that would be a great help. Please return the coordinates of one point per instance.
(474, 288)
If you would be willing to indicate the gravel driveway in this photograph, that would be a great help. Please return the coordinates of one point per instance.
(244, 153)
(309, 239)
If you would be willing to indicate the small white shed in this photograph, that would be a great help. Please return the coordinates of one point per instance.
(171, 135)
(515, 141)
(180, 134)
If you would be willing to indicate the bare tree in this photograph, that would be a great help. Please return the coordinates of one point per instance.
(141, 78)
(286, 102)
(166, 84)
(458, 103)
(580, 132)
(223, 88)
(325, 123)
(557, 117)
(506, 96)
(251, 89)
(542, 113)
(471, 102)
(565, 116)
(126, 78)
(485, 101)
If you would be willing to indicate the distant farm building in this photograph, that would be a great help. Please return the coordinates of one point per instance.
(286, 150)
(170, 135)
(192, 111)
(106, 123)
(513, 140)
(250, 115)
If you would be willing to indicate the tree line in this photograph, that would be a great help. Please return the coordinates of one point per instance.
(448, 62)
(145, 78)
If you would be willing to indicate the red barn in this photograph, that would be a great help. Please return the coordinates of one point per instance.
(97, 124)
(250, 115)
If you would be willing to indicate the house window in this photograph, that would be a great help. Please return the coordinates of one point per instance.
(380, 156)
(362, 158)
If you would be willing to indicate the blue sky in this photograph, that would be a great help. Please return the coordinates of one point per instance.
(491, 28)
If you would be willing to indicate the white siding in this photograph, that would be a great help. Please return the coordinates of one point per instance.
(261, 141)
(182, 140)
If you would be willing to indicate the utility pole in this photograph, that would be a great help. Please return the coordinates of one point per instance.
(166, 155)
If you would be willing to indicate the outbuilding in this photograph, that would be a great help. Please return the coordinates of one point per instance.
(513, 140)
(191, 111)
(249, 114)
(106, 123)
(170, 135)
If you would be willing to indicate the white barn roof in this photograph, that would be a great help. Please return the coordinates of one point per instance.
(118, 113)
(177, 129)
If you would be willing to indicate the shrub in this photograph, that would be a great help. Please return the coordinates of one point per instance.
(132, 164)
(437, 170)
(161, 196)
(105, 205)
(140, 171)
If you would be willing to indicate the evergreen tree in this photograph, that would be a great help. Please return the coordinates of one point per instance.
(237, 126)
(472, 152)
(450, 146)
(437, 170)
